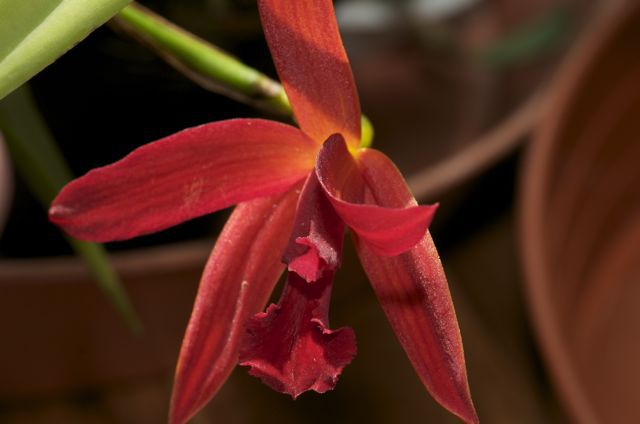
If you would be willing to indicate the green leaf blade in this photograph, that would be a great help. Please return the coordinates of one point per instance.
(43, 168)
(34, 33)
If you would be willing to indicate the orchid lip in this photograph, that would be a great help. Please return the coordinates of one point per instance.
(290, 348)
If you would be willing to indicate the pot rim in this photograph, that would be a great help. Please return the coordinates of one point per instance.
(29, 272)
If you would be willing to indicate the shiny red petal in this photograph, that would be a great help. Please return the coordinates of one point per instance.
(185, 175)
(290, 348)
(389, 231)
(414, 294)
(307, 50)
(318, 232)
(237, 281)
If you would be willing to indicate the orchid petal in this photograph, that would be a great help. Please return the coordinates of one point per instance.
(389, 231)
(311, 61)
(290, 348)
(185, 175)
(414, 294)
(237, 281)
(318, 232)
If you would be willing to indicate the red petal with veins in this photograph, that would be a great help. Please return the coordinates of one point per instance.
(290, 348)
(318, 233)
(191, 173)
(389, 231)
(307, 50)
(237, 281)
(414, 294)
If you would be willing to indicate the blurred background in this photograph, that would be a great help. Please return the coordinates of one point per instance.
(521, 117)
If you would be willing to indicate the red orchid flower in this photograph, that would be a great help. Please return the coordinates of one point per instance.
(296, 190)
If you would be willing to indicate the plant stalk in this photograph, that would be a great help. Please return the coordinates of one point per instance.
(209, 66)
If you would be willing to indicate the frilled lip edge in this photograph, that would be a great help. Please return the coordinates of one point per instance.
(290, 348)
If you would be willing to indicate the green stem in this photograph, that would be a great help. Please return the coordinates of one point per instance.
(43, 168)
(208, 65)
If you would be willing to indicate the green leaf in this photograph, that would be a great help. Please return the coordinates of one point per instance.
(43, 168)
(34, 33)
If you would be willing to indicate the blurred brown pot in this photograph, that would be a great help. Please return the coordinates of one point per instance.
(580, 225)
(61, 334)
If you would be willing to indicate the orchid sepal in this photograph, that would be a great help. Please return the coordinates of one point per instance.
(239, 276)
(185, 175)
(312, 64)
(413, 291)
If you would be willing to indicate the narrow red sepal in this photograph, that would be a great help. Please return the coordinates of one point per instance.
(185, 175)
(312, 64)
(237, 281)
(290, 348)
(389, 231)
(414, 294)
(318, 233)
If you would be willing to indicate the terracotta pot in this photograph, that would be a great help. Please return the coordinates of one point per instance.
(61, 334)
(580, 225)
